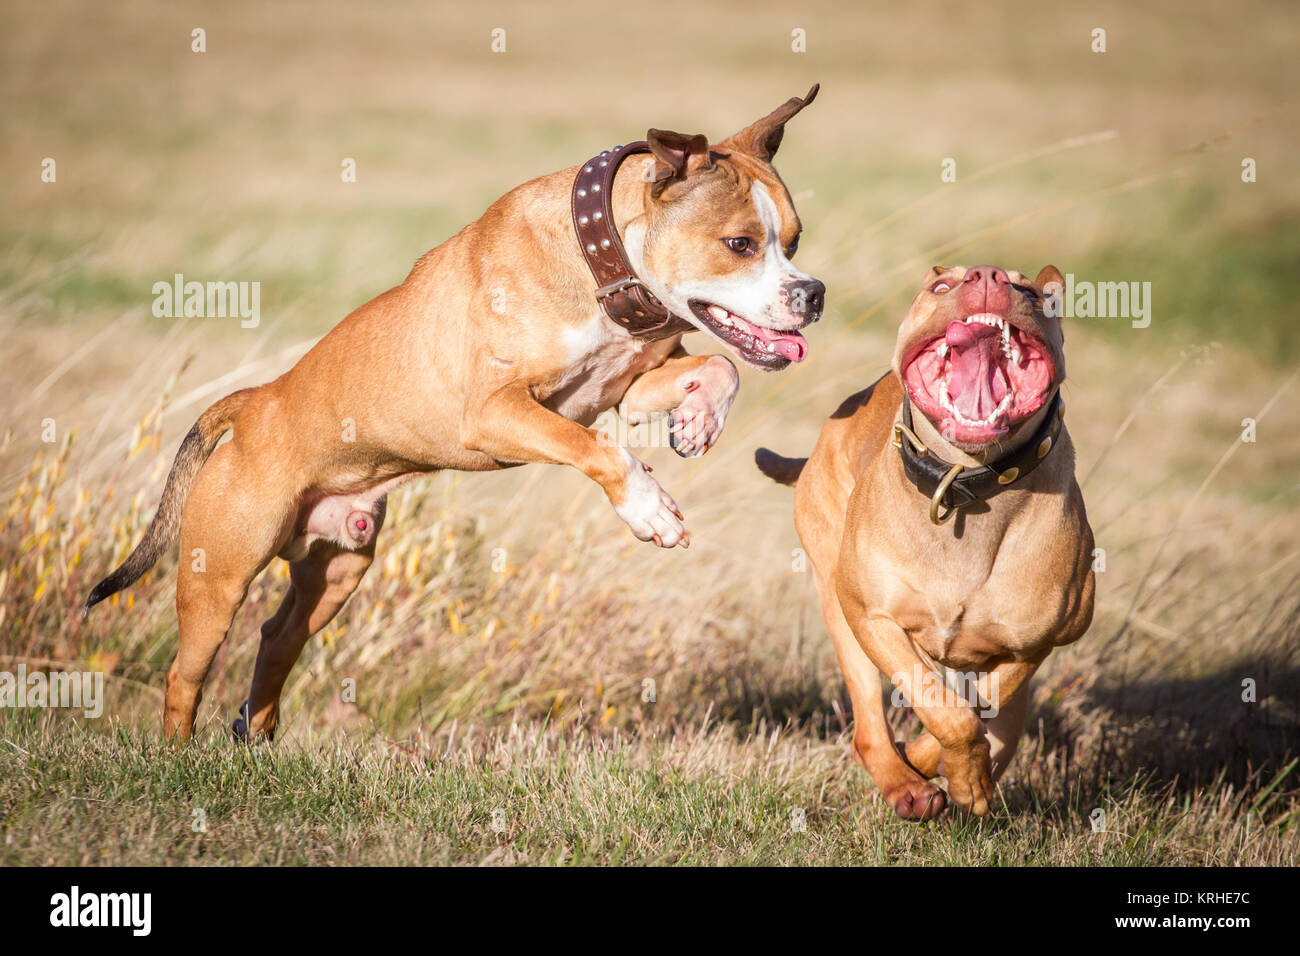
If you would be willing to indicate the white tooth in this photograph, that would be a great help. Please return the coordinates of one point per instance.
(771, 347)
(942, 350)
(718, 312)
(993, 416)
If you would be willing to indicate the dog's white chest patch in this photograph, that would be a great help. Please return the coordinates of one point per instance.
(586, 340)
(602, 361)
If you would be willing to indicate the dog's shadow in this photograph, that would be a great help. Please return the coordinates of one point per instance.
(1233, 723)
(1239, 725)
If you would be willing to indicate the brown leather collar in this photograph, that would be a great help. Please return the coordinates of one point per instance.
(950, 486)
(624, 298)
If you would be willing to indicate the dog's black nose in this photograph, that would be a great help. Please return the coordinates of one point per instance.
(809, 298)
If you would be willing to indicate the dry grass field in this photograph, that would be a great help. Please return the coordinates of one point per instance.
(501, 645)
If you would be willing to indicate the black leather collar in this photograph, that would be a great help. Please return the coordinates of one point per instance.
(950, 487)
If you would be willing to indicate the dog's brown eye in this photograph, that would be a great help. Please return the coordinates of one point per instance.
(792, 248)
(740, 245)
(940, 286)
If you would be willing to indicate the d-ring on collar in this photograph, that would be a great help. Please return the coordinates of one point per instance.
(950, 486)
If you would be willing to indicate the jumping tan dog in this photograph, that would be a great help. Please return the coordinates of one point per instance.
(957, 537)
(495, 351)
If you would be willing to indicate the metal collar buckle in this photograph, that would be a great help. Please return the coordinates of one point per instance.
(900, 430)
(622, 285)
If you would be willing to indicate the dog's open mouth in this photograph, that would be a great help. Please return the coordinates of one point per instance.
(762, 347)
(979, 379)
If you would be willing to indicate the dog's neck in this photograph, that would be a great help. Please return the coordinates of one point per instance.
(983, 528)
(933, 438)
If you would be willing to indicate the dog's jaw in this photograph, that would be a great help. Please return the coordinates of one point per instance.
(761, 347)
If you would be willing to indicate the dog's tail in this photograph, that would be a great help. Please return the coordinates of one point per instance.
(784, 471)
(194, 451)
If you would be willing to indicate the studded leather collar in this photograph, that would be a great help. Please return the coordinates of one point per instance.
(619, 291)
(951, 487)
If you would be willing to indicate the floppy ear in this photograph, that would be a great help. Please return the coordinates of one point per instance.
(1049, 274)
(676, 156)
(761, 139)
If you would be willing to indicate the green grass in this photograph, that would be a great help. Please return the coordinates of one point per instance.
(538, 795)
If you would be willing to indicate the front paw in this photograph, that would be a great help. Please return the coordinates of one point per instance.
(970, 778)
(649, 511)
(910, 796)
(695, 425)
(916, 800)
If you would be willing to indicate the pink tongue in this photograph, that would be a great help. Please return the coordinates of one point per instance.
(974, 378)
(791, 347)
(959, 334)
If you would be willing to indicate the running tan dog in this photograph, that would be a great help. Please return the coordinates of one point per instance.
(957, 537)
(568, 297)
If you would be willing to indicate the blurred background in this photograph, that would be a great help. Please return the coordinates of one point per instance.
(225, 165)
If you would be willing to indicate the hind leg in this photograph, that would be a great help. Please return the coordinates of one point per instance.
(226, 540)
(320, 584)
